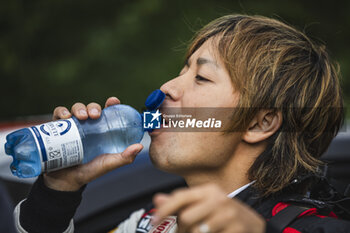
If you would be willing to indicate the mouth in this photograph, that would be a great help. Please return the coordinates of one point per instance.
(155, 132)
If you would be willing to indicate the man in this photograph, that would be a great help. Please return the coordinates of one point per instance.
(287, 107)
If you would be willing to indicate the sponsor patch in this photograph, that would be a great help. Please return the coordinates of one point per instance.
(165, 226)
(144, 225)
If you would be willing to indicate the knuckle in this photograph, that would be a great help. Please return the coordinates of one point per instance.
(126, 159)
(129, 160)
(80, 178)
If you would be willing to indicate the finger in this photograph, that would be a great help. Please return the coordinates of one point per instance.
(61, 113)
(94, 110)
(217, 222)
(196, 213)
(108, 162)
(112, 101)
(160, 198)
(73, 178)
(79, 111)
(130, 153)
(177, 201)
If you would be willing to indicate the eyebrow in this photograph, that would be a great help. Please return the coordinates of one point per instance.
(203, 61)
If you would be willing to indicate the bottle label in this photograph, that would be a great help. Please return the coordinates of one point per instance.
(59, 144)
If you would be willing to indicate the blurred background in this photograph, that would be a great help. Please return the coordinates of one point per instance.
(59, 52)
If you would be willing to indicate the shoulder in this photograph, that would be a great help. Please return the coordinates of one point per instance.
(309, 219)
(316, 218)
(318, 223)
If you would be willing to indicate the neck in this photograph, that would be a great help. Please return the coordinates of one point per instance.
(231, 176)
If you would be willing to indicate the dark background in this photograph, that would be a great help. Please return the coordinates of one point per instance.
(58, 52)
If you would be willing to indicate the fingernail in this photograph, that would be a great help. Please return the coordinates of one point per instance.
(82, 112)
(94, 111)
(65, 113)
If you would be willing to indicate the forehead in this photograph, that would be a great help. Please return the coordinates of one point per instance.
(207, 50)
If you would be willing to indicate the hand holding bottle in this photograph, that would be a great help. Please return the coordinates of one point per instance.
(72, 178)
(78, 137)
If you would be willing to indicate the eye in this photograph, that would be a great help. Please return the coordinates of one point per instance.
(201, 79)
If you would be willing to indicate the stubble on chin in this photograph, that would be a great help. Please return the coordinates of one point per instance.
(155, 155)
(159, 155)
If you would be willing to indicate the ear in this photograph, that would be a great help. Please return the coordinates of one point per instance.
(263, 126)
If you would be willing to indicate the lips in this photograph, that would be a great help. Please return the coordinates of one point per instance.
(155, 132)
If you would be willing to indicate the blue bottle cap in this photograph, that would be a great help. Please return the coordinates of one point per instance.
(154, 100)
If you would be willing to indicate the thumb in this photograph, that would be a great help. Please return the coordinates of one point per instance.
(107, 162)
(129, 154)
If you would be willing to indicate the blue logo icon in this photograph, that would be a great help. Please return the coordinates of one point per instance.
(56, 128)
(151, 120)
(64, 126)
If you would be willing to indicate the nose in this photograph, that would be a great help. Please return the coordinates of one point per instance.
(172, 89)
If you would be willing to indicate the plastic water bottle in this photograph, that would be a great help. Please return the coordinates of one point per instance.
(68, 142)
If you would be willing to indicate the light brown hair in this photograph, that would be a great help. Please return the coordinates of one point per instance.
(275, 66)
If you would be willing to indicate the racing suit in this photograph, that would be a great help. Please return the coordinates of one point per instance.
(6, 220)
(47, 210)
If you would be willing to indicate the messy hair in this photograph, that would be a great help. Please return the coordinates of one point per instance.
(274, 66)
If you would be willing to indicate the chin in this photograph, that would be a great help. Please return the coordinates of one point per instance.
(158, 156)
(162, 157)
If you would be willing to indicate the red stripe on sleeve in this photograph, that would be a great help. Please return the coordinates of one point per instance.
(290, 230)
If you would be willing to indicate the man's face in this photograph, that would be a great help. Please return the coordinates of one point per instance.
(203, 82)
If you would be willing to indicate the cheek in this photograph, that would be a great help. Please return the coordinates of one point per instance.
(219, 96)
(181, 152)
(200, 96)
(203, 150)
(214, 149)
